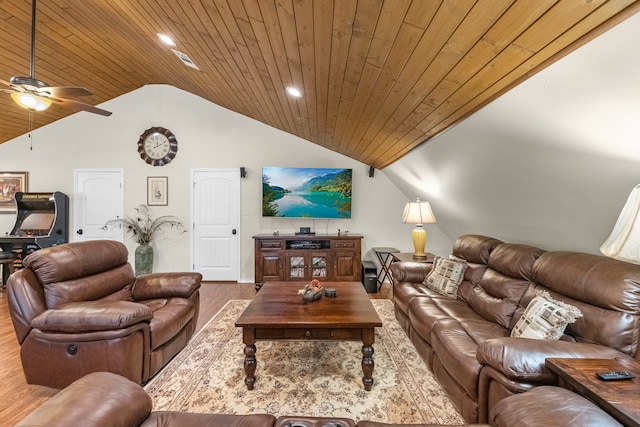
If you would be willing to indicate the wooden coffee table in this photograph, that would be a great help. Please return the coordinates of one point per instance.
(278, 313)
(618, 398)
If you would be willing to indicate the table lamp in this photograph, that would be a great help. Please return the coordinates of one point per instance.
(418, 213)
(624, 241)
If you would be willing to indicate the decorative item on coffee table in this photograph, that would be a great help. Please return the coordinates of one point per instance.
(312, 291)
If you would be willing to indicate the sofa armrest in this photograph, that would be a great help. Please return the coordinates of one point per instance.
(166, 285)
(92, 316)
(523, 359)
(408, 271)
(99, 399)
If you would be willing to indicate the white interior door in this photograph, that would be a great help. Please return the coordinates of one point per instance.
(98, 197)
(216, 223)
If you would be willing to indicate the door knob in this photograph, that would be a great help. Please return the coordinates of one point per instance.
(234, 231)
(80, 231)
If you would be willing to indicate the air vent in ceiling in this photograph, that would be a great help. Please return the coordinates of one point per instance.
(185, 59)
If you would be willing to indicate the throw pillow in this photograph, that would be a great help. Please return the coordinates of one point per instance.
(445, 276)
(545, 318)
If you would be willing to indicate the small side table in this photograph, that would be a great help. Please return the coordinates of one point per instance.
(385, 257)
(408, 257)
(618, 398)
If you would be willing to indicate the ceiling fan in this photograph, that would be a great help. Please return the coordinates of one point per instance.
(36, 95)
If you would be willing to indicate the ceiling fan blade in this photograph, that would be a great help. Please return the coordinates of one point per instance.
(4, 82)
(77, 105)
(64, 91)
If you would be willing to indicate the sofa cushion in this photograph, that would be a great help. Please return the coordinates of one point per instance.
(545, 318)
(445, 276)
(92, 316)
(425, 313)
(475, 248)
(481, 330)
(77, 404)
(472, 276)
(192, 419)
(404, 292)
(73, 260)
(83, 271)
(496, 297)
(497, 294)
(606, 290)
(109, 284)
(456, 352)
(169, 319)
(549, 406)
(515, 260)
(166, 285)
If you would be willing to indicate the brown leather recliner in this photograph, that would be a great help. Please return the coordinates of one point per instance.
(79, 308)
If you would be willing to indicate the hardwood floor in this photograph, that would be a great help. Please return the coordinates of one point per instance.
(17, 398)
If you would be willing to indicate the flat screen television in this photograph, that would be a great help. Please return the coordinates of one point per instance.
(306, 192)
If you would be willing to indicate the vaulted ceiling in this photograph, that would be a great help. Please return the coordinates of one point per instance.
(378, 77)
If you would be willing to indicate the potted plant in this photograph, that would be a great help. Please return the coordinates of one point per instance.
(143, 228)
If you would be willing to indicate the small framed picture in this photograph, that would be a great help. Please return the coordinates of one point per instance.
(157, 191)
(10, 184)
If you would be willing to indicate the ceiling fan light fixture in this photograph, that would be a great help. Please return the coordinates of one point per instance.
(166, 39)
(30, 101)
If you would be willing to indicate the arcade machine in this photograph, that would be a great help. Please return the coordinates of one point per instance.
(42, 221)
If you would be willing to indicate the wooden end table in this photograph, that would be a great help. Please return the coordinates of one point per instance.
(621, 399)
(408, 257)
(278, 313)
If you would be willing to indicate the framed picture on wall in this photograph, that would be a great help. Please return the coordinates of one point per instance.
(157, 191)
(10, 184)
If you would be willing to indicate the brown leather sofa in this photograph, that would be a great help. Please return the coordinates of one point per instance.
(466, 341)
(104, 399)
(78, 308)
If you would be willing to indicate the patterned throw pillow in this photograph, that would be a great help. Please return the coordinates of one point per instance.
(545, 318)
(445, 276)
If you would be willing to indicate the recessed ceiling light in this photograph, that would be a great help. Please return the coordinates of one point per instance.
(294, 92)
(166, 39)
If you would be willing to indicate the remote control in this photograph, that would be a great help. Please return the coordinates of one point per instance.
(613, 376)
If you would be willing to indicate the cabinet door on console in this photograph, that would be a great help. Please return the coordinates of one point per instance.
(347, 267)
(269, 260)
(347, 260)
(270, 267)
(296, 266)
(307, 265)
(319, 265)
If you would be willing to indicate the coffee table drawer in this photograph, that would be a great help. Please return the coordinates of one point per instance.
(323, 334)
(308, 334)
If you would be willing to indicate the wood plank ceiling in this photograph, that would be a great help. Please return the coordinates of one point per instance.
(378, 77)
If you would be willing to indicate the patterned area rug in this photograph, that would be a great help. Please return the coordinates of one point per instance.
(302, 378)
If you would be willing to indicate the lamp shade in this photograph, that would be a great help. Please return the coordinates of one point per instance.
(624, 241)
(418, 213)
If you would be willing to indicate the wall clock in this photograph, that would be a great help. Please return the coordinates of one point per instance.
(157, 146)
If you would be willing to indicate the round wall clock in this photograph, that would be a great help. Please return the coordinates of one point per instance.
(157, 146)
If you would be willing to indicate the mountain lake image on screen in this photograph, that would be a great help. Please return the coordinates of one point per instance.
(306, 192)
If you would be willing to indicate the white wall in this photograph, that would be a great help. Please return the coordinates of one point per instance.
(209, 137)
(549, 163)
